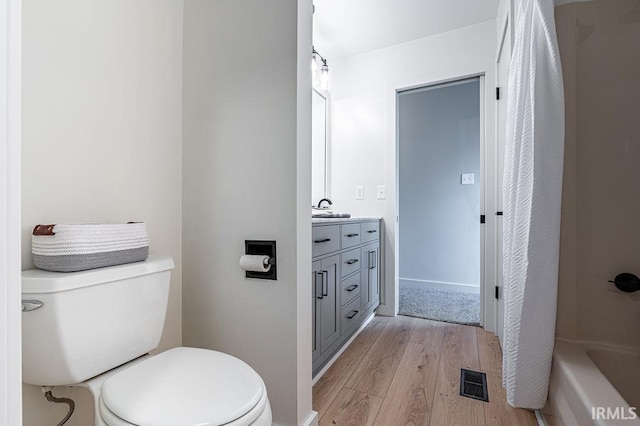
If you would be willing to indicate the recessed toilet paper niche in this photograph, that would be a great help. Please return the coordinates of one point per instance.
(264, 248)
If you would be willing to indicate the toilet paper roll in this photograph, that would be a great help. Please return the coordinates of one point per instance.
(255, 263)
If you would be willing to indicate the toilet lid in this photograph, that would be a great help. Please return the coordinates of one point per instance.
(185, 386)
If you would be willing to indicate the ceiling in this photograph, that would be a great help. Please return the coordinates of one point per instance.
(348, 27)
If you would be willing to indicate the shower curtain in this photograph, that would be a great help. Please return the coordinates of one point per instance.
(534, 155)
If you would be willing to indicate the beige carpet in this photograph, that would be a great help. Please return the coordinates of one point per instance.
(422, 301)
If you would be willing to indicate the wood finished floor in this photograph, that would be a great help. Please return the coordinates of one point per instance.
(406, 371)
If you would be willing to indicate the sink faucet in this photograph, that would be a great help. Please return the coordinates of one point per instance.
(324, 199)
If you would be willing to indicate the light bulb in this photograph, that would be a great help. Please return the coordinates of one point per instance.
(325, 81)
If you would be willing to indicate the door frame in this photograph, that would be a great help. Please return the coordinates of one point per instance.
(10, 288)
(505, 30)
(389, 303)
(479, 180)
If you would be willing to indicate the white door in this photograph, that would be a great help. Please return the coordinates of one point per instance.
(502, 72)
(10, 332)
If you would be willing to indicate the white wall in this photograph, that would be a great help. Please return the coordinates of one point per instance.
(363, 140)
(439, 227)
(102, 112)
(247, 175)
(598, 44)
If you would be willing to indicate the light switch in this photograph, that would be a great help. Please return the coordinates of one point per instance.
(359, 192)
(468, 179)
(381, 192)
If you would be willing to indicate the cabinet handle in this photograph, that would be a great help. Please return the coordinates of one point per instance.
(316, 285)
(375, 257)
(325, 293)
(352, 235)
(372, 231)
(326, 240)
(352, 261)
(369, 261)
(352, 314)
(352, 287)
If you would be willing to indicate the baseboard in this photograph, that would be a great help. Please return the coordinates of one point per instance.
(466, 288)
(342, 349)
(312, 420)
(386, 311)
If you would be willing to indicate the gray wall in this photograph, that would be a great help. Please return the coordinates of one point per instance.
(247, 175)
(439, 139)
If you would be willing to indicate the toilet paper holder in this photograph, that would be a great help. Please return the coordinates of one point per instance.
(265, 248)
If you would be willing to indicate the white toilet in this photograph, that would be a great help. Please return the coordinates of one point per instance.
(94, 329)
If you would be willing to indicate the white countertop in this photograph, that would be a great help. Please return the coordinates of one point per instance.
(326, 220)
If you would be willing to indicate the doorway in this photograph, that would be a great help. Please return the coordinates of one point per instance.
(439, 155)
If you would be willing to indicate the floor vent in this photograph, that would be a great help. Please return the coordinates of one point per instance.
(473, 384)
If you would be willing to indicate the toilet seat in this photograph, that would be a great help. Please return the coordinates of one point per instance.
(184, 386)
(259, 416)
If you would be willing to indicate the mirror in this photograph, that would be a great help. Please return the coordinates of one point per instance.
(319, 147)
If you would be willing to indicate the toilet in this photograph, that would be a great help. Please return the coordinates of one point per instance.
(95, 329)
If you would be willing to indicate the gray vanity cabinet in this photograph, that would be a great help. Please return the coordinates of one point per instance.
(326, 304)
(345, 280)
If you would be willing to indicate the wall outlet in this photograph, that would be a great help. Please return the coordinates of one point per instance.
(381, 192)
(467, 179)
(359, 192)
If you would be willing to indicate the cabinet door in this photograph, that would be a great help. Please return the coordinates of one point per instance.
(316, 294)
(327, 302)
(374, 274)
(365, 290)
(370, 292)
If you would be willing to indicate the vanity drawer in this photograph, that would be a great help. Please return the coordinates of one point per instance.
(370, 231)
(350, 262)
(325, 239)
(350, 235)
(350, 288)
(350, 315)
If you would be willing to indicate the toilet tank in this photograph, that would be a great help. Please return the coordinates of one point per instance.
(91, 321)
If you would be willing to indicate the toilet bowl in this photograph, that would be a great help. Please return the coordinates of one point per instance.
(95, 328)
(182, 386)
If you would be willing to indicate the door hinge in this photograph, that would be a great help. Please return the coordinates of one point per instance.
(482, 218)
(497, 292)
(497, 93)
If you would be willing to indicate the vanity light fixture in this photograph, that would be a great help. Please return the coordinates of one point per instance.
(321, 79)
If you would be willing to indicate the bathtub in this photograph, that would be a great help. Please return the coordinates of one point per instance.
(594, 385)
